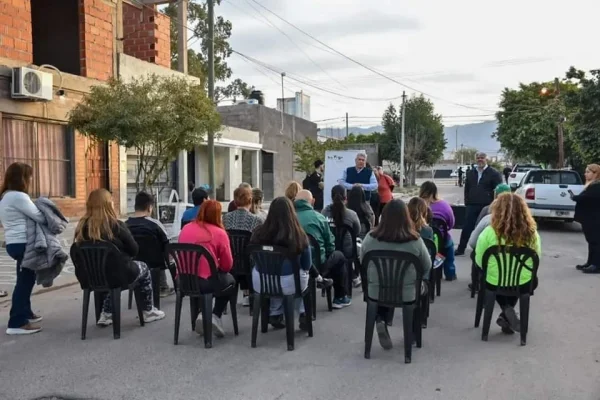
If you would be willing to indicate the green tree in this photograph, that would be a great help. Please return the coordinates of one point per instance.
(585, 119)
(528, 121)
(308, 151)
(465, 154)
(424, 135)
(198, 61)
(156, 116)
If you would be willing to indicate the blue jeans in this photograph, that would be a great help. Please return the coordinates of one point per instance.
(449, 267)
(20, 311)
(288, 285)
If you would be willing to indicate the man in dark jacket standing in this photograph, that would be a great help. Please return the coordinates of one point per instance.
(479, 192)
(314, 183)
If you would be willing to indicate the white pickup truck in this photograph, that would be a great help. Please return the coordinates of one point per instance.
(546, 192)
(519, 171)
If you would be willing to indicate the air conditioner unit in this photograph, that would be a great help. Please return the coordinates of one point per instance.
(28, 83)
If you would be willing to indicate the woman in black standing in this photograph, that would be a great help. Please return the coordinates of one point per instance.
(587, 213)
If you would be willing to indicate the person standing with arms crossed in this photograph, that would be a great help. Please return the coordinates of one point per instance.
(479, 192)
(359, 175)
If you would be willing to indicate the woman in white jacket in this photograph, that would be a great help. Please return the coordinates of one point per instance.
(15, 208)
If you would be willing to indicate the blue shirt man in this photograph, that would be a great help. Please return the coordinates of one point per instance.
(199, 195)
(359, 175)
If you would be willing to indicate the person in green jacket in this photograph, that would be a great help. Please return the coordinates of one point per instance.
(332, 262)
(511, 225)
(397, 232)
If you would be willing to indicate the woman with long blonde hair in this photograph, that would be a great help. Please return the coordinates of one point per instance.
(511, 225)
(587, 213)
(292, 190)
(101, 224)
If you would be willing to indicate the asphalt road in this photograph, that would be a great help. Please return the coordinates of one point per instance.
(560, 361)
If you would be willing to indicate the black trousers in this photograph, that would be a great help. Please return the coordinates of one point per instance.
(591, 231)
(511, 301)
(378, 212)
(471, 213)
(335, 268)
(217, 287)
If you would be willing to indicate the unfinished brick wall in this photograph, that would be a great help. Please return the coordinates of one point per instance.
(147, 34)
(97, 39)
(16, 41)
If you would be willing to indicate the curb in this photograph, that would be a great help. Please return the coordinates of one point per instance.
(42, 291)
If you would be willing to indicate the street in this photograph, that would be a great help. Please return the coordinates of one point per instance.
(561, 359)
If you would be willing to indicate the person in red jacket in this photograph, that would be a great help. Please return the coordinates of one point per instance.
(207, 231)
(385, 187)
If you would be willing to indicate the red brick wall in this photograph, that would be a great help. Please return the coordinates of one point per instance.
(147, 34)
(15, 30)
(97, 39)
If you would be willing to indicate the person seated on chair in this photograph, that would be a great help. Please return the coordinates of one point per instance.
(340, 215)
(232, 205)
(332, 262)
(485, 218)
(396, 232)
(257, 200)
(142, 224)
(242, 220)
(207, 230)
(511, 225)
(357, 202)
(418, 210)
(199, 196)
(292, 190)
(281, 228)
(100, 223)
(441, 210)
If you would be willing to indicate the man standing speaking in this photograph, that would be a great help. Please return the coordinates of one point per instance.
(360, 175)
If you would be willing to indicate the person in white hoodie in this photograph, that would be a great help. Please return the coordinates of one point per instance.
(15, 208)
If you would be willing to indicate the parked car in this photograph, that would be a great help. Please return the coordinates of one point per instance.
(454, 173)
(519, 172)
(546, 192)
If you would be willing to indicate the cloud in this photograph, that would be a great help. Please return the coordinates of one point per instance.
(266, 39)
(449, 77)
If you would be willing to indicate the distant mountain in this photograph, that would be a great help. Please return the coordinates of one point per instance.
(477, 135)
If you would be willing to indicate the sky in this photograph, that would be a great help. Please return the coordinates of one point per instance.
(460, 54)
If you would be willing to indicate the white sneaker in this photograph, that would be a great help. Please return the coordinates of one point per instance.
(153, 315)
(356, 282)
(217, 326)
(24, 330)
(246, 301)
(105, 319)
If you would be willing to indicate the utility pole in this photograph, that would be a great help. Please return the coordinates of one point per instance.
(346, 124)
(182, 66)
(402, 140)
(282, 101)
(462, 155)
(211, 93)
(561, 149)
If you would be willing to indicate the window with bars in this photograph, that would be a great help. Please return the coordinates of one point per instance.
(47, 147)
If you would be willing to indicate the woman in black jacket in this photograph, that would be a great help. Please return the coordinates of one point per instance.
(587, 213)
(100, 223)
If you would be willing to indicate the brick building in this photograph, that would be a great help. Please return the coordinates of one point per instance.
(79, 38)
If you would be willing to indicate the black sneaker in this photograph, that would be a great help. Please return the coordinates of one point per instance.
(276, 321)
(325, 283)
(451, 278)
(384, 336)
(582, 266)
(459, 252)
(302, 322)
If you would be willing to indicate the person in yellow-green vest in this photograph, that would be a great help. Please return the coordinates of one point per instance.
(511, 224)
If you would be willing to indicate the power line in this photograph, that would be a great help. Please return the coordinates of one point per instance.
(363, 65)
